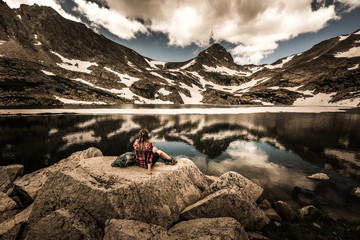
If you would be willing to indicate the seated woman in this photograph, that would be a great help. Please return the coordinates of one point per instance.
(146, 154)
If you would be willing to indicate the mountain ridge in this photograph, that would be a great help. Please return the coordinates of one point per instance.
(68, 63)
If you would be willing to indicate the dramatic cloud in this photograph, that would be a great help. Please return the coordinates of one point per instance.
(255, 27)
(50, 3)
(116, 23)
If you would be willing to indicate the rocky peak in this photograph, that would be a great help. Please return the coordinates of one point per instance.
(10, 25)
(216, 55)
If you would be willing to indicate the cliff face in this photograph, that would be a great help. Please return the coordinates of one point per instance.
(84, 197)
(48, 60)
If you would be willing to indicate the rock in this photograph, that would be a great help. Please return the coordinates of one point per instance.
(305, 211)
(63, 224)
(277, 224)
(7, 207)
(284, 210)
(11, 229)
(107, 193)
(316, 225)
(233, 179)
(264, 204)
(228, 203)
(272, 215)
(133, 230)
(356, 192)
(257, 236)
(209, 228)
(319, 176)
(13, 171)
(5, 183)
(32, 182)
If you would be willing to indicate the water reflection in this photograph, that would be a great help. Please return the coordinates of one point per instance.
(276, 150)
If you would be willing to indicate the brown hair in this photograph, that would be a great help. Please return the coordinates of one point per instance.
(143, 140)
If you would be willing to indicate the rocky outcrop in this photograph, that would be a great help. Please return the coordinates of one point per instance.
(84, 197)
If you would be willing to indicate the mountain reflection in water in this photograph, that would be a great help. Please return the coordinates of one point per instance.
(275, 150)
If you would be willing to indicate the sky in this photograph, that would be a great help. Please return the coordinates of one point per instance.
(253, 31)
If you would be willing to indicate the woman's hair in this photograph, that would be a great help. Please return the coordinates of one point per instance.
(143, 139)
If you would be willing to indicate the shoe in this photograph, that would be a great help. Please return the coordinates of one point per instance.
(170, 161)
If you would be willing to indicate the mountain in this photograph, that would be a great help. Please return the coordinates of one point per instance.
(48, 60)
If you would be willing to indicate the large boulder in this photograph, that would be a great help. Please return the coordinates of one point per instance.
(105, 192)
(133, 230)
(32, 182)
(8, 207)
(13, 171)
(228, 202)
(209, 228)
(235, 180)
(5, 183)
(63, 224)
(12, 228)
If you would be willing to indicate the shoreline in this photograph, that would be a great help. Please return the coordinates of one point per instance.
(211, 110)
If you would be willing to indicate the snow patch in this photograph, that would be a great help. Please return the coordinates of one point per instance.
(342, 38)
(352, 52)
(126, 79)
(133, 66)
(71, 101)
(323, 99)
(48, 73)
(166, 79)
(164, 92)
(153, 63)
(354, 67)
(74, 65)
(189, 64)
(225, 71)
(19, 17)
(358, 32)
(263, 103)
(35, 36)
(246, 86)
(280, 65)
(37, 43)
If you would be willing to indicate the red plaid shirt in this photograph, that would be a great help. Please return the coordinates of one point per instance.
(142, 162)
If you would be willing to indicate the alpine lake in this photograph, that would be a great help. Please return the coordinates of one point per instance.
(275, 148)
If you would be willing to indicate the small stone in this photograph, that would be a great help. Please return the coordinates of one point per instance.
(257, 236)
(284, 210)
(356, 192)
(316, 225)
(272, 215)
(277, 224)
(305, 211)
(264, 205)
(319, 176)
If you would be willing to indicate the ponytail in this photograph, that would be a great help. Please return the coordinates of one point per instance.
(143, 139)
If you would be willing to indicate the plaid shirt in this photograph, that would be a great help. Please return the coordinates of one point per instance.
(142, 162)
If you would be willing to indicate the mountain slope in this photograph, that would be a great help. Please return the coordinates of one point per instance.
(48, 60)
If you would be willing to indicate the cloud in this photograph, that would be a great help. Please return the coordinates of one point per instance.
(254, 27)
(350, 4)
(116, 23)
(49, 3)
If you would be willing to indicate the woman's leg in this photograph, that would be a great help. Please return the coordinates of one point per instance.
(162, 154)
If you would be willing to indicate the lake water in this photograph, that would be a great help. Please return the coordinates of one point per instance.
(277, 150)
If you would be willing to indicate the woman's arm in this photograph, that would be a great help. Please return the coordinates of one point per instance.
(149, 170)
